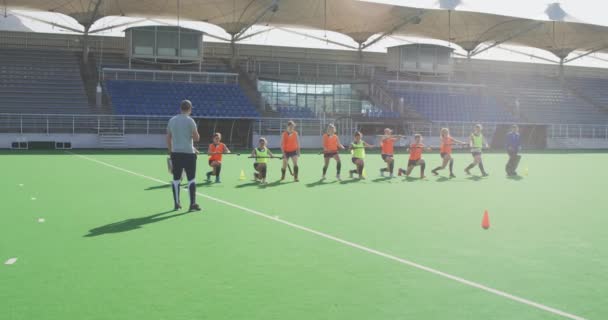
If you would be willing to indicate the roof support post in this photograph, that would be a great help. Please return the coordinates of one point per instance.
(233, 51)
(317, 38)
(274, 6)
(415, 19)
(87, 27)
(591, 51)
(508, 38)
(469, 66)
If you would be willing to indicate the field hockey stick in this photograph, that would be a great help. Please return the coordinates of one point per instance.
(252, 157)
(224, 153)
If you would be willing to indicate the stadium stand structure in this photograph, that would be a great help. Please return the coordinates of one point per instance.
(543, 99)
(294, 112)
(592, 90)
(159, 98)
(41, 82)
(446, 103)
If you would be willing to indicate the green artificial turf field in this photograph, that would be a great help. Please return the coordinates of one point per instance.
(111, 248)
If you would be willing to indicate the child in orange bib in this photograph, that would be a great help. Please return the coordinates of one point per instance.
(445, 151)
(216, 152)
(331, 145)
(290, 145)
(416, 150)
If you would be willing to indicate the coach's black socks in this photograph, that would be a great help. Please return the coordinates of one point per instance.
(338, 167)
(282, 174)
(391, 167)
(175, 189)
(471, 166)
(451, 166)
(296, 169)
(324, 170)
(192, 190)
(422, 166)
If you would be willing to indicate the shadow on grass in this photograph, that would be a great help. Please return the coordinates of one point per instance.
(248, 184)
(475, 178)
(443, 179)
(320, 183)
(168, 186)
(132, 224)
(277, 183)
(515, 178)
(349, 181)
(382, 179)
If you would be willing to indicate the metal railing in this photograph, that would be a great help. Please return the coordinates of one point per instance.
(124, 124)
(305, 127)
(34, 40)
(81, 124)
(577, 131)
(162, 75)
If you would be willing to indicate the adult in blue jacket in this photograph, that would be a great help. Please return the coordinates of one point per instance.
(513, 146)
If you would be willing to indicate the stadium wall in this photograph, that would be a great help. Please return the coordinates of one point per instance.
(157, 141)
(576, 143)
(88, 141)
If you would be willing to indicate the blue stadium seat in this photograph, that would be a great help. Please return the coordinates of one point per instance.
(162, 98)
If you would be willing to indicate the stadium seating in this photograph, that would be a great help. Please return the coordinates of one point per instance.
(293, 112)
(162, 98)
(544, 99)
(592, 88)
(381, 114)
(441, 104)
(41, 82)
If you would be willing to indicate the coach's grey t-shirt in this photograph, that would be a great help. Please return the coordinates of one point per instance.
(181, 127)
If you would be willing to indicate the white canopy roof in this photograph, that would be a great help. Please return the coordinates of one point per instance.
(363, 21)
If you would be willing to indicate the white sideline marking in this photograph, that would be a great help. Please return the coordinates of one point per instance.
(41, 220)
(10, 261)
(21, 184)
(360, 247)
(33, 198)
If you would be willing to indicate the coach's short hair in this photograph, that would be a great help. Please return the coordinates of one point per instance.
(417, 136)
(185, 105)
(290, 123)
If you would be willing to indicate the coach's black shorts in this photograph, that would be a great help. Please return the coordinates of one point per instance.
(476, 153)
(291, 154)
(181, 162)
(330, 154)
(354, 160)
(443, 154)
(386, 156)
(412, 163)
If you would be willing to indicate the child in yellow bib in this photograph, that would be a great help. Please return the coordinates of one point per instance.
(261, 154)
(477, 142)
(357, 148)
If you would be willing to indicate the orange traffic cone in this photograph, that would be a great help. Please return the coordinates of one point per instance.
(485, 222)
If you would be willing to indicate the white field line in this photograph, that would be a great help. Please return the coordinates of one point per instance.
(360, 247)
